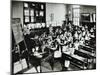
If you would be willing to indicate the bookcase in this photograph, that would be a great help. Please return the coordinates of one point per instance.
(34, 12)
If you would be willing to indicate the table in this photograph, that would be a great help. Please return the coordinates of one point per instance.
(85, 54)
(76, 60)
(36, 59)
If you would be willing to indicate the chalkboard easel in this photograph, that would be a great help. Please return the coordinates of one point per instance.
(18, 36)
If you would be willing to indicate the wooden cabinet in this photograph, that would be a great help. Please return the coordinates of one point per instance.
(34, 12)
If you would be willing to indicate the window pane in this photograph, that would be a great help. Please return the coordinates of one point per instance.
(76, 16)
(25, 4)
(76, 21)
(26, 12)
(41, 13)
(26, 19)
(42, 7)
(32, 19)
(76, 12)
(37, 13)
(32, 13)
(33, 4)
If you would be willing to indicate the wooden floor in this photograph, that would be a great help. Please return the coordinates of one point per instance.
(47, 68)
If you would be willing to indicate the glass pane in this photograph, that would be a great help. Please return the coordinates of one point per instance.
(32, 19)
(76, 15)
(25, 4)
(32, 12)
(36, 13)
(41, 13)
(26, 19)
(94, 17)
(76, 21)
(33, 4)
(42, 7)
(26, 12)
(76, 12)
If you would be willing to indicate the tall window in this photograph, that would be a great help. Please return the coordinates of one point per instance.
(76, 15)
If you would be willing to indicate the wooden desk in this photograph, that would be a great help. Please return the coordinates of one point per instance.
(85, 54)
(87, 48)
(36, 59)
(76, 60)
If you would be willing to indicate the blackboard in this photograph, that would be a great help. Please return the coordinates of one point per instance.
(17, 30)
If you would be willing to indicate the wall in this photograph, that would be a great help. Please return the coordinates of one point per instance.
(84, 8)
(17, 10)
(88, 9)
(59, 11)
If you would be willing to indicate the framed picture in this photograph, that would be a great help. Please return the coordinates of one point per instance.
(57, 37)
